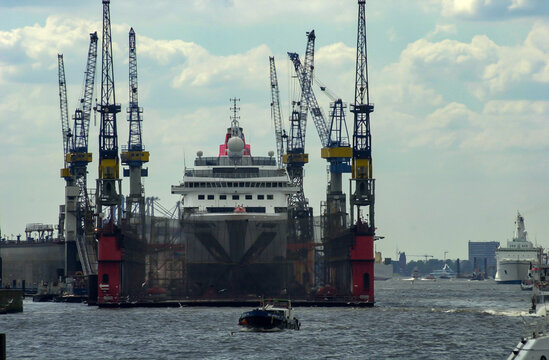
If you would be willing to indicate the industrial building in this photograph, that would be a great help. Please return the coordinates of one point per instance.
(483, 254)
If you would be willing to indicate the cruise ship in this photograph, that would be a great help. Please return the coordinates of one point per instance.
(234, 218)
(514, 260)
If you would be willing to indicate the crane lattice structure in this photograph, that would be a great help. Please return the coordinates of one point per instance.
(107, 194)
(79, 158)
(134, 155)
(300, 215)
(66, 136)
(65, 126)
(335, 146)
(280, 133)
(362, 178)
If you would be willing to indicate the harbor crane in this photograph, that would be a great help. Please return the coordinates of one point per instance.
(78, 220)
(300, 215)
(336, 148)
(67, 217)
(109, 179)
(134, 156)
(79, 158)
(362, 188)
(362, 176)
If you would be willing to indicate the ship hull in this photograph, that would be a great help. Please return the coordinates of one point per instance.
(235, 255)
(512, 272)
(383, 271)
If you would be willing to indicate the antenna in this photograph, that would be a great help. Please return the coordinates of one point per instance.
(234, 109)
(235, 127)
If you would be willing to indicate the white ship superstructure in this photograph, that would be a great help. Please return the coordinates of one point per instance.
(514, 260)
(235, 221)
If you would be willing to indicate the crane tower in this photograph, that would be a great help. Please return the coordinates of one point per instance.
(362, 183)
(68, 220)
(335, 147)
(134, 155)
(108, 181)
(79, 158)
(300, 215)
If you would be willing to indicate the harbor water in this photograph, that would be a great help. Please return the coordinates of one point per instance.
(423, 319)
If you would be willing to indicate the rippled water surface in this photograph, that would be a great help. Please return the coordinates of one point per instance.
(445, 319)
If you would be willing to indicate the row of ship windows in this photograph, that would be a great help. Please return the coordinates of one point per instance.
(235, 184)
(235, 197)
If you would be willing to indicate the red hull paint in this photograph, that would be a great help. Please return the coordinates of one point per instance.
(108, 269)
(362, 261)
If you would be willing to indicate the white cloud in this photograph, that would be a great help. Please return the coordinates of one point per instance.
(501, 126)
(485, 67)
(44, 42)
(442, 29)
(492, 9)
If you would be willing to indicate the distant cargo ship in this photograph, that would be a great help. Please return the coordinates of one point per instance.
(235, 222)
(514, 261)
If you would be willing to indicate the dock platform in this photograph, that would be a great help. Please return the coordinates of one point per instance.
(234, 303)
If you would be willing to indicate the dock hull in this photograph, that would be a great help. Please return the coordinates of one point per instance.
(235, 255)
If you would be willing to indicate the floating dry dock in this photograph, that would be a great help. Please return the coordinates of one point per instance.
(236, 303)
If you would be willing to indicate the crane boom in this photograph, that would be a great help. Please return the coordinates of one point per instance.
(65, 127)
(134, 141)
(306, 77)
(82, 113)
(275, 112)
(314, 108)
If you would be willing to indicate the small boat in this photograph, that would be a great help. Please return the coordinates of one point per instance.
(272, 315)
(477, 275)
(527, 284)
(415, 273)
(533, 346)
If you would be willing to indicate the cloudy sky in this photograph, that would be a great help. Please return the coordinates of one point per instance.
(460, 130)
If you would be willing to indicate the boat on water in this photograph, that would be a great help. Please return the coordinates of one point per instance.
(539, 279)
(526, 285)
(534, 346)
(415, 273)
(445, 273)
(235, 219)
(514, 260)
(383, 268)
(272, 315)
(477, 276)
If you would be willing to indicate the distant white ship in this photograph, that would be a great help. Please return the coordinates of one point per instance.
(383, 269)
(445, 273)
(514, 261)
